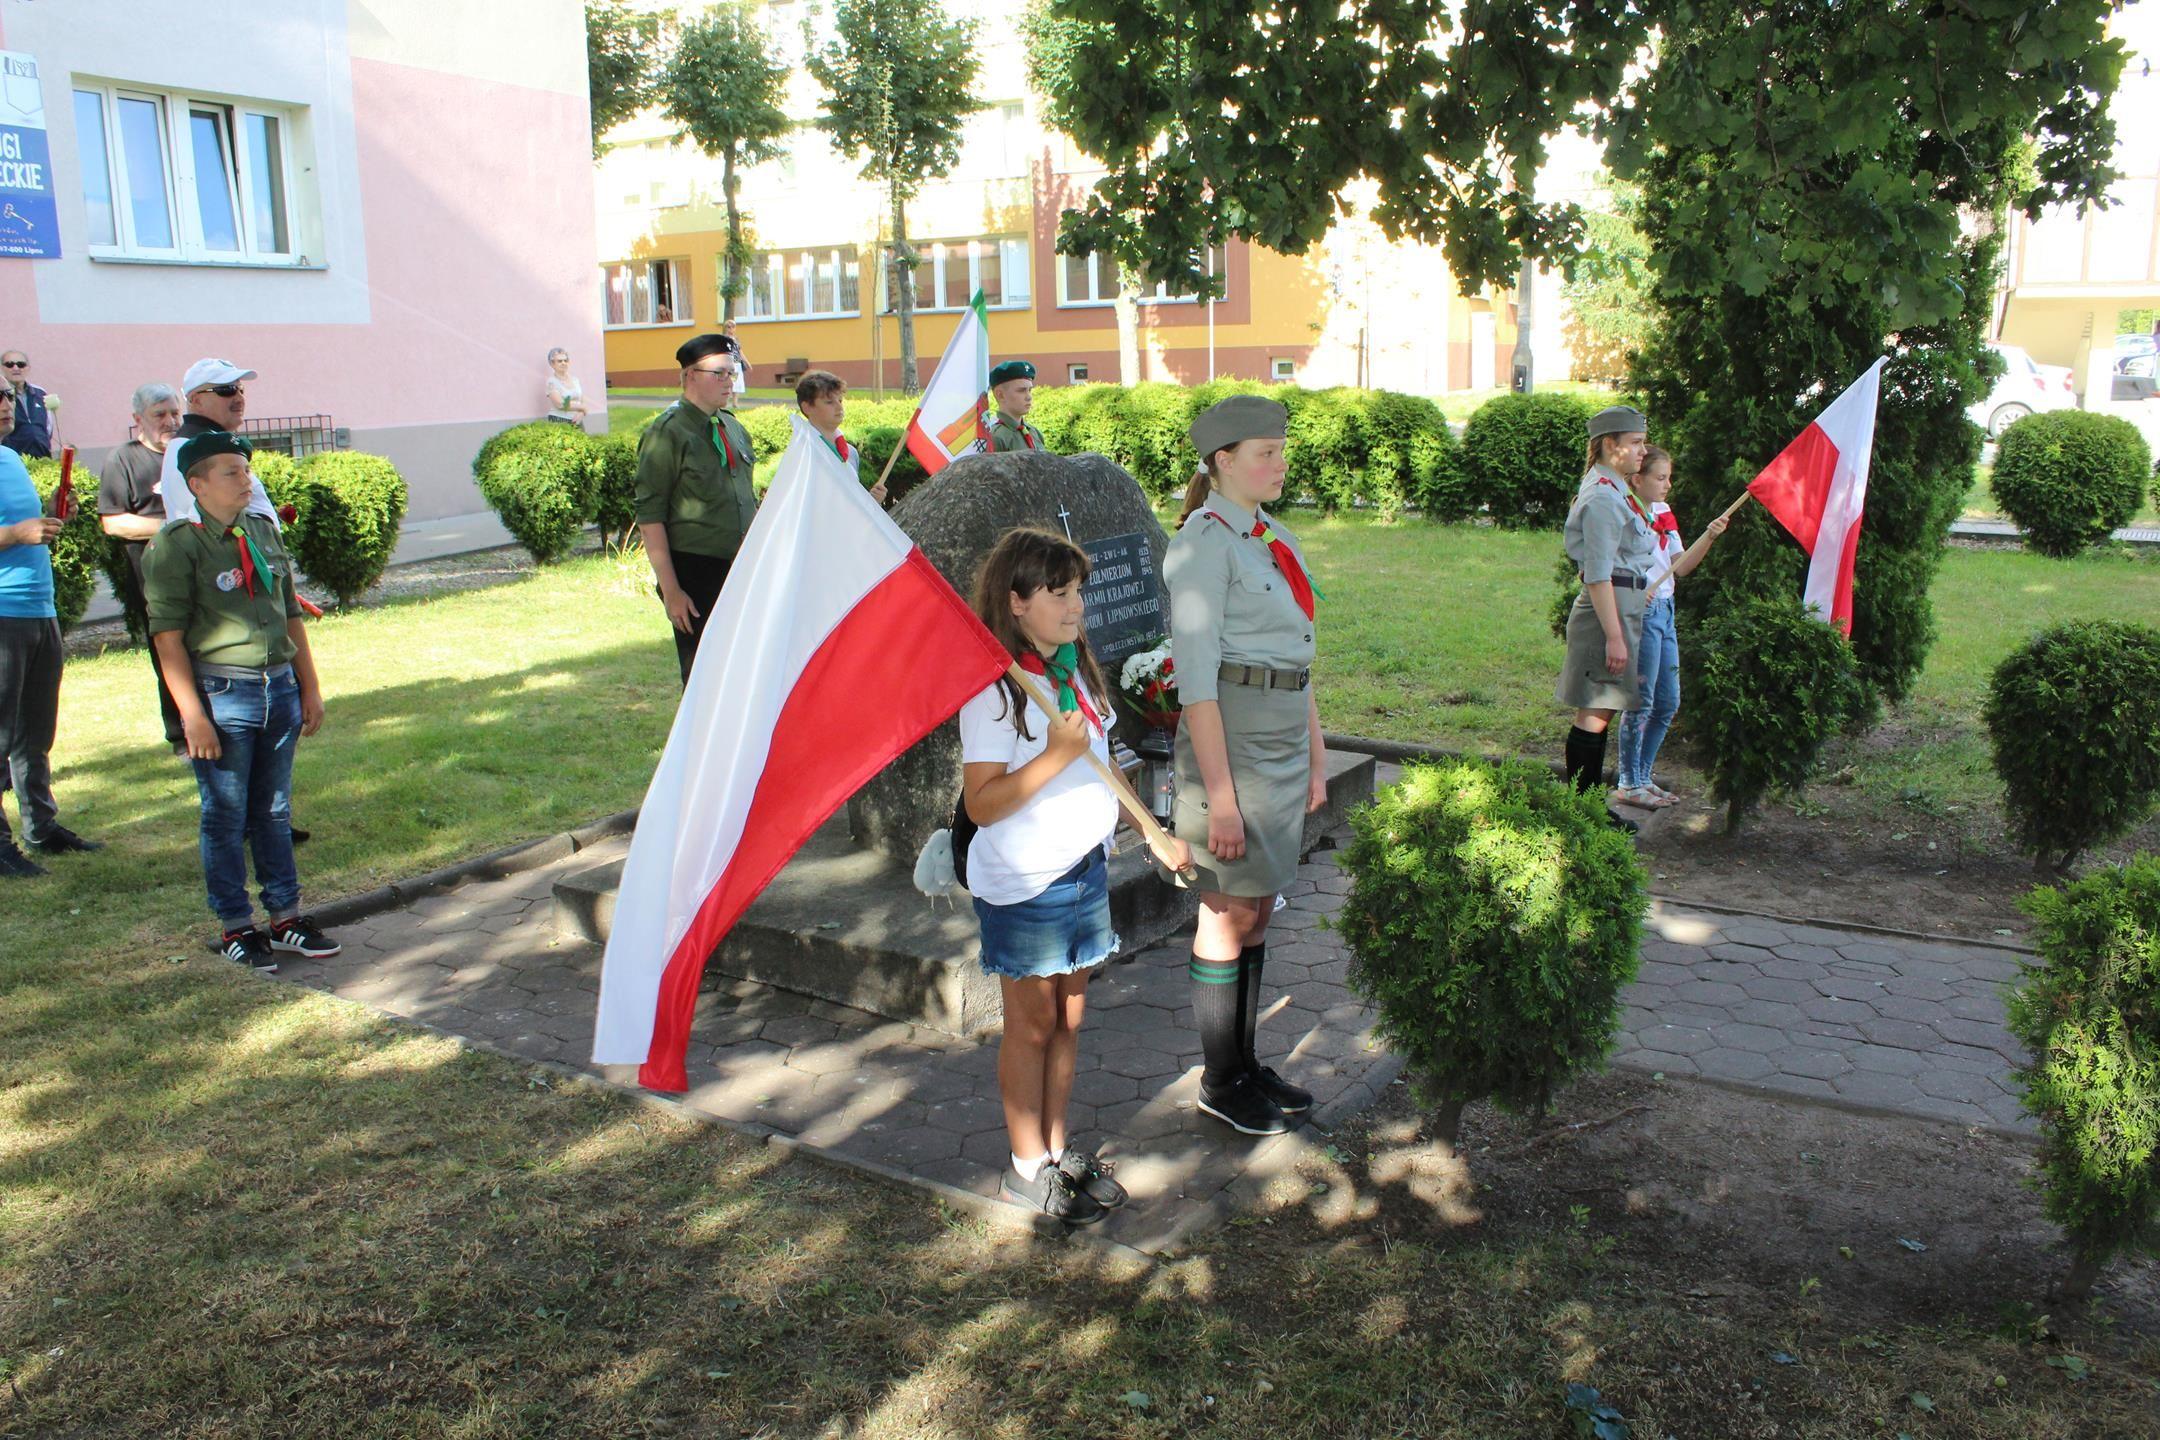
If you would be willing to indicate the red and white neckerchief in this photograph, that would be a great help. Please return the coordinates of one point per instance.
(1286, 559)
(1026, 437)
(1666, 528)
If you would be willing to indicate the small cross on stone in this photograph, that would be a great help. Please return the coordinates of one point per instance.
(1065, 519)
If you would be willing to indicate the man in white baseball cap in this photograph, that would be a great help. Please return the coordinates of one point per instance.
(216, 393)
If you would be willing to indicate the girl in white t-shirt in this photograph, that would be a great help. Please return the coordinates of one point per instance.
(1038, 865)
(1642, 730)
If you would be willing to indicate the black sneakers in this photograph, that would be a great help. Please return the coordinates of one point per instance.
(1243, 1106)
(15, 865)
(1090, 1175)
(250, 947)
(298, 936)
(1288, 1098)
(1052, 1191)
(63, 841)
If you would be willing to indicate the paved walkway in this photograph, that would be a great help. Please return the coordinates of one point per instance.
(1806, 1011)
(1972, 529)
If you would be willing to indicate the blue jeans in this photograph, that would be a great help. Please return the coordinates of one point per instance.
(1657, 662)
(247, 794)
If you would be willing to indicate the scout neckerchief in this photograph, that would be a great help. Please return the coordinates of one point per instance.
(252, 562)
(1061, 670)
(1026, 438)
(720, 439)
(1666, 528)
(839, 445)
(1301, 586)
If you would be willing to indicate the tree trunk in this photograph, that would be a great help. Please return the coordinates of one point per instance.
(2085, 1269)
(1447, 1120)
(1734, 809)
(903, 272)
(731, 262)
(1128, 327)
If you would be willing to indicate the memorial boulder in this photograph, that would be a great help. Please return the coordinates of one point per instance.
(957, 517)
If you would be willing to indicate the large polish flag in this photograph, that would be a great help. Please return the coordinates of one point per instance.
(833, 647)
(954, 416)
(1817, 488)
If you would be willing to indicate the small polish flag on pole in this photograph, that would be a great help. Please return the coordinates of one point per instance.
(954, 416)
(833, 647)
(1817, 488)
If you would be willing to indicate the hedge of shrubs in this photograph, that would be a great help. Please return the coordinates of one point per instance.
(81, 549)
(348, 506)
(2070, 478)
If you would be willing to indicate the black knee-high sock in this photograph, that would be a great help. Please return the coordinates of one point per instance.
(1250, 962)
(1215, 1013)
(1585, 758)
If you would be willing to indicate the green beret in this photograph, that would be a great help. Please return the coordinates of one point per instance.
(1240, 417)
(1011, 370)
(209, 445)
(1618, 420)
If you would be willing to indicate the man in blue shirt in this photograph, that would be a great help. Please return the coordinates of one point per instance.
(33, 432)
(29, 662)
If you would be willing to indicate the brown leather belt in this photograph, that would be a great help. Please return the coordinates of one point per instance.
(1262, 678)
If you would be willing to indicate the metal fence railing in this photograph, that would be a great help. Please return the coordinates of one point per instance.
(296, 435)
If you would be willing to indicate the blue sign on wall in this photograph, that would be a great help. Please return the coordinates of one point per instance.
(29, 220)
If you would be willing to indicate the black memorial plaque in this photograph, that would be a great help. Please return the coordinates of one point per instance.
(1123, 598)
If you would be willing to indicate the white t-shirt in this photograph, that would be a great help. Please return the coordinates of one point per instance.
(1017, 858)
(1661, 576)
(560, 394)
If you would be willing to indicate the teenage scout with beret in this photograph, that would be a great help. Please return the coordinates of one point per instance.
(1012, 390)
(1609, 538)
(694, 501)
(1250, 762)
(231, 640)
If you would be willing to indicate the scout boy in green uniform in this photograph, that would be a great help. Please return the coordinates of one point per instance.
(232, 644)
(694, 501)
(1012, 390)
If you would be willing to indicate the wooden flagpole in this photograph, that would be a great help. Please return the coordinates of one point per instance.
(1149, 827)
(894, 458)
(1745, 496)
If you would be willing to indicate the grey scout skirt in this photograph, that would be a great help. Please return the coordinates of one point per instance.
(1270, 746)
(1584, 682)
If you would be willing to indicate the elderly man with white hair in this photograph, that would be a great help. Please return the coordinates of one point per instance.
(131, 509)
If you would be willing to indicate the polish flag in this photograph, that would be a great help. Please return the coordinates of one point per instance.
(954, 416)
(833, 647)
(1817, 488)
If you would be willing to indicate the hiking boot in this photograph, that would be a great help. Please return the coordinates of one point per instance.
(63, 841)
(1090, 1175)
(14, 865)
(250, 947)
(298, 936)
(1243, 1106)
(1053, 1193)
(1288, 1098)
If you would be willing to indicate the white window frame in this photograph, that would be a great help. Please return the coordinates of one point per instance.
(939, 255)
(175, 115)
(678, 286)
(1282, 367)
(787, 280)
(1102, 274)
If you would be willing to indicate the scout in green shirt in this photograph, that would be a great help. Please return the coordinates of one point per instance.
(1012, 388)
(694, 501)
(232, 646)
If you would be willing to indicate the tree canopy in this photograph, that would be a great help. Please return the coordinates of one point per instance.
(622, 54)
(723, 86)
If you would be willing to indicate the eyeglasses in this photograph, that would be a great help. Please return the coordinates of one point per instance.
(14, 364)
(227, 391)
(709, 370)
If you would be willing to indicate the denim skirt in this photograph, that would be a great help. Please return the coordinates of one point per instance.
(1063, 930)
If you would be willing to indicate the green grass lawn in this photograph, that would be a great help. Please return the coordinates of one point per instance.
(230, 1207)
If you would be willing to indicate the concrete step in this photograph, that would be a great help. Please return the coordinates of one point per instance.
(845, 924)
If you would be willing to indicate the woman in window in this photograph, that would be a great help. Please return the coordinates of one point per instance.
(566, 398)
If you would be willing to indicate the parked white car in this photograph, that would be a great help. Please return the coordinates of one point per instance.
(2134, 354)
(2024, 388)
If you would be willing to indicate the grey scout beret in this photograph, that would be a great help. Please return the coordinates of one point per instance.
(1238, 417)
(1617, 420)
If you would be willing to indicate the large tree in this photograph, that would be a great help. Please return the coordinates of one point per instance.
(898, 85)
(723, 86)
(1610, 317)
(622, 52)
(1820, 180)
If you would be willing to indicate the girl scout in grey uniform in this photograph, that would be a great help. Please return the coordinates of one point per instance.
(1609, 539)
(1250, 761)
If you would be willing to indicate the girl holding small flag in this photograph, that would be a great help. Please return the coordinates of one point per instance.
(1038, 863)
(1657, 668)
(1250, 762)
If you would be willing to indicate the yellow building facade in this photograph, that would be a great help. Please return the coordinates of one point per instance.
(1357, 310)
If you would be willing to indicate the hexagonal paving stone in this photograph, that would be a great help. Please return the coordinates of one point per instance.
(792, 1030)
(1870, 1087)
(1139, 1063)
(1958, 1085)
(968, 1115)
(1710, 992)
(1728, 954)
(1759, 1038)
(1814, 1064)
(1756, 933)
(1776, 1014)
(1848, 987)
(1772, 987)
(1905, 1033)
(1984, 1034)
(1666, 1061)
(1104, 1087)
(1726, 1063)
(1985, 1008)
(1837, 1011)
(1905, 1007)
(1677, 1039)
(1886, 1060)
(1871, 952)
(913, 1148)
(1817, 955)
(833, 1059)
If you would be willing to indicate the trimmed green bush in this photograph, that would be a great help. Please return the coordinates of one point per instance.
(2070, 478)
(543, 503)
(615, 464)
(1157, 416)
(1411, 457)
(1327, 446)
(1523, 458)
(349, 506)
(1767, 684)
(2088, 1013)
(2074, 715)
(567, 445)
(1492, 920)
(80, 550)
(1567, 584)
